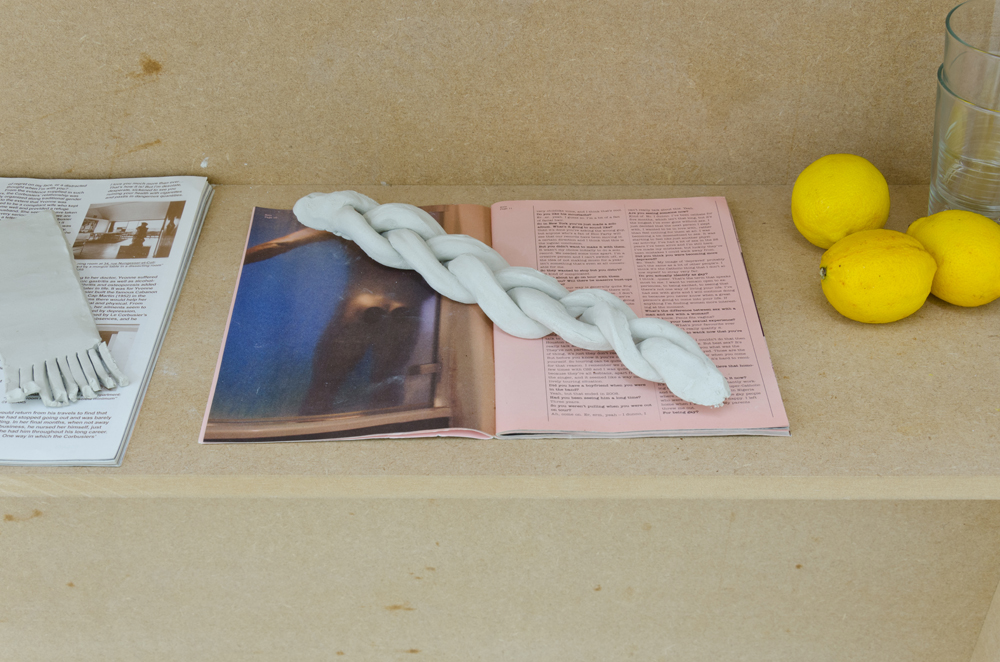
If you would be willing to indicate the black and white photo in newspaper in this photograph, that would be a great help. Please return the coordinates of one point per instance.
(131, 240)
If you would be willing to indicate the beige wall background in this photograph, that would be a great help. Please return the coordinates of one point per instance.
(434, 92)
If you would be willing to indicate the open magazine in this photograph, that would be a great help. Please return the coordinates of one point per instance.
(324, 343)
(132, 241)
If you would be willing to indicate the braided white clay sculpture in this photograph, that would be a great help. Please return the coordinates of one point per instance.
(521, 301)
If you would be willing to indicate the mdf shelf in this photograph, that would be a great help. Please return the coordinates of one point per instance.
(904, 410)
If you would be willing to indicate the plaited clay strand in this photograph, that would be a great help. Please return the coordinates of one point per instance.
(521, 301)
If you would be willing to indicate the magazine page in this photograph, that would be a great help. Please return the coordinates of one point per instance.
(677, 260)
(325, 343)
(132, 240)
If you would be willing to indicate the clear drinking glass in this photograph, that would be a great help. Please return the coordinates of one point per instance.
(972, 53)
(965, 168)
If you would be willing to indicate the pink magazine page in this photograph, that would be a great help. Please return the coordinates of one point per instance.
(678, 260)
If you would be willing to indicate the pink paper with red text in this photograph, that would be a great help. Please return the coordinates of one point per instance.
(678, 260)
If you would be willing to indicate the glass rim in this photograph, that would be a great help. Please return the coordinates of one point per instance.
(948, 28)
(942, 84)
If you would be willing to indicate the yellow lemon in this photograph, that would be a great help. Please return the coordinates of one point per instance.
(877, 276)
(966, 247)
(837, 195)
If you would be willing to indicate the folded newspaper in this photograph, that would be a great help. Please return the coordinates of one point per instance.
(131, 241)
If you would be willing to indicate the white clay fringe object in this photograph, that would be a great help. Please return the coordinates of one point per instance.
(521, 301)
(49, 343)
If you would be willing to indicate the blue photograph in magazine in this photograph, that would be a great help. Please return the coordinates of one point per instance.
(320, 330)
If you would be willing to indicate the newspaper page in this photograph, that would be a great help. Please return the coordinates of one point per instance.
(132, 240)
(677, 260)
